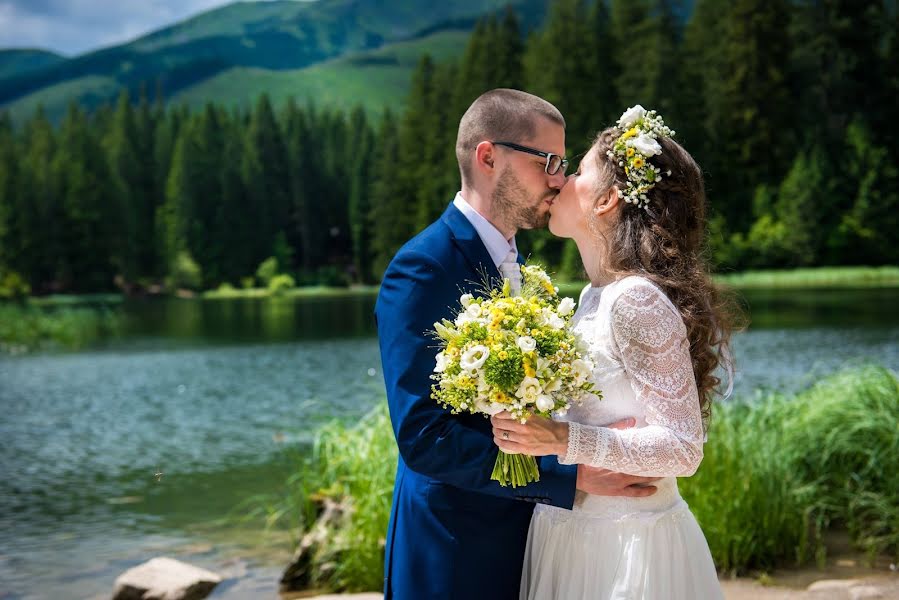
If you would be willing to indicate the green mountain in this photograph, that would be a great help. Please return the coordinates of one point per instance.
(326, 49)
(19, 61)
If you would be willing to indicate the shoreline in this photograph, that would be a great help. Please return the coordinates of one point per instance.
(824, 278)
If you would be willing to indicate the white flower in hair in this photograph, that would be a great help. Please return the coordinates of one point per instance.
(646, 145)
(631, 116)
(638, 133)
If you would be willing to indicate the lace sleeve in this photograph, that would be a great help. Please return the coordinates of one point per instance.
(652, 341)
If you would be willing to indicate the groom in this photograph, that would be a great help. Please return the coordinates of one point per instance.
(454, 533)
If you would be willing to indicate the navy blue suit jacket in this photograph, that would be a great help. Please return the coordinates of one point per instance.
(453, 532)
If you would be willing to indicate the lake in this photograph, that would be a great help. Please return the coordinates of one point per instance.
(142, 445)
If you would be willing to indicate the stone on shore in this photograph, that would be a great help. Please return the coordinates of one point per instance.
(165, 578)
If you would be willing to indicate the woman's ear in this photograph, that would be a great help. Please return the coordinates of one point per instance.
(607, 203)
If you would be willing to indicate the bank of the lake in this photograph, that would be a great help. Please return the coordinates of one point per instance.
(780, 473)
(224, 397)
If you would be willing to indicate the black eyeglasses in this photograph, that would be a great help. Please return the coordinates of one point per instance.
(554, 162)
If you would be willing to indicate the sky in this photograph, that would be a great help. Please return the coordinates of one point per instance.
(70, 27)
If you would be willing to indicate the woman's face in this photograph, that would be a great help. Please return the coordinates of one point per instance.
(572, 209)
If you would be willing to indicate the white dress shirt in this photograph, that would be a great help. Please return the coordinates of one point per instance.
(497, 245)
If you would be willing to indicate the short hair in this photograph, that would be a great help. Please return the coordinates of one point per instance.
(502, 115)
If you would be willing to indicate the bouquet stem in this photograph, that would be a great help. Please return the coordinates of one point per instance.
(516, 470)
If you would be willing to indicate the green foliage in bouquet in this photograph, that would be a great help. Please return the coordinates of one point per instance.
(512, 353)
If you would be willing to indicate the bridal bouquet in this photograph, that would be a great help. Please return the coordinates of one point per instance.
(514, 353)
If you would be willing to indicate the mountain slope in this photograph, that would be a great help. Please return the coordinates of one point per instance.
(19, 61)
(277, 35)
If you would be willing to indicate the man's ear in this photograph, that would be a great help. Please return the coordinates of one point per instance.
(485, 156)
(607, 203)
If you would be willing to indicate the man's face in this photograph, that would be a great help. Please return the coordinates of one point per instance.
(524, 191)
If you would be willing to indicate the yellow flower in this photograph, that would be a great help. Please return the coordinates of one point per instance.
(638, 163)
(496, 347)
(452, 351)
(529, 371)
(503, 355)
(548, 286)
(498, 396)
(630, 152)
(629, 133)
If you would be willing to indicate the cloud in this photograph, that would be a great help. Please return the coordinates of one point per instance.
(75, 26)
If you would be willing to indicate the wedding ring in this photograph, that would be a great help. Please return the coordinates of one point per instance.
(505, 435)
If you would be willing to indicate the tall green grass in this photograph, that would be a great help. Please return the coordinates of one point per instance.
(812, 278)
(825, 277)
(778, 472)
(24, 328)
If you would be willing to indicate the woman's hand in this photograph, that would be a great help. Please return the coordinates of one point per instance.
(539, 436)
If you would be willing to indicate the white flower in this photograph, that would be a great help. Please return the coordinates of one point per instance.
(550, 318)
(462, 319)
(631, 116)
(474, 310)
(582, 370)
(646, 145)
(529, 390)
(566, 306)
(527, 343)
(545, 402)
(441, 363)
(474, 357)
(466, 299)
(553, 386)
(489, 408)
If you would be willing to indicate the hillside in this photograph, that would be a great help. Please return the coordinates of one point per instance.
(233, 53)
(18, 61)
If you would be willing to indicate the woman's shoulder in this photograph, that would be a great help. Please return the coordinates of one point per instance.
(638, 289)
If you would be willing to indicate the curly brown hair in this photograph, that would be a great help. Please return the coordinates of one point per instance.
(666, 244)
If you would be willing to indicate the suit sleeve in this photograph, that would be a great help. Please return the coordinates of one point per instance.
(432, 441)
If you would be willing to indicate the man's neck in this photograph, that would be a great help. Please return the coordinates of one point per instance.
(483, 205)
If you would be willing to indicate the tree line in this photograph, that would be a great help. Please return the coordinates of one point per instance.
(787, 105)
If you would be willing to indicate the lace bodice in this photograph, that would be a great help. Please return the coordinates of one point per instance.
(639, 343)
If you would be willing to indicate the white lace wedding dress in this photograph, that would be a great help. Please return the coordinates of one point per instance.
(612, 548)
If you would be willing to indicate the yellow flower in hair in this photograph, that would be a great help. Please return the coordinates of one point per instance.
(638, 162)
(630, 152)
(629, 133)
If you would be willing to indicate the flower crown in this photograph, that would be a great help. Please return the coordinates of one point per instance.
(638, 131)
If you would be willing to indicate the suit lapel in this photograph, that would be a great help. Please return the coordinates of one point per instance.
(466, 238)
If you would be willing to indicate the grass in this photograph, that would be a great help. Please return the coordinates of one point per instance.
(24, 328)
(374, 79)
(779, 471)
(313, 291)
(826, 277)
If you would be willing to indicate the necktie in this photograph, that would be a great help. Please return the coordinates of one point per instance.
(511, 270)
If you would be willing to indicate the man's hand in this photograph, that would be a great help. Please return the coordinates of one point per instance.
(602, 482)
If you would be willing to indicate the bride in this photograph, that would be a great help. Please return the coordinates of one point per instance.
(636, 210)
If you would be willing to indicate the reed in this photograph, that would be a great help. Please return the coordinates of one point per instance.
(24, 328)
(778, 472)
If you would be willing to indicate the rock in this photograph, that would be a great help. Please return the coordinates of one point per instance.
(298, 574)
(864, 592)
(832, 585)
(165, 578)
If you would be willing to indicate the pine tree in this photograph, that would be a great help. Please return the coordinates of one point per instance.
(867, 229)
(93, 232)
(128, 184)
(265, 177)
(10, 185)
(37, 216)
(389, 212)
(751, 111)
(359, 209)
